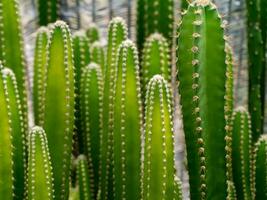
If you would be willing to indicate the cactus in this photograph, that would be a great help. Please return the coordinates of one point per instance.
(83, 179)
(241, 152)
(184, 5)
(178, 189)
(117, 32)
(127, 127)
(93, 34)
(202, 81)
(158, 165)
(91, 102)
(39, 173)
(48, 11)
(13, 138)
(260, 162)
(98, 55)
(231, 192)
(58, 117)
(154, 16)
(12, 49)
(156, 59)
(39, 72)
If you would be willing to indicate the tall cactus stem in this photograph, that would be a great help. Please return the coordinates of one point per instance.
(231, 192)
(48, 11)
(93, 34)
(97, 54)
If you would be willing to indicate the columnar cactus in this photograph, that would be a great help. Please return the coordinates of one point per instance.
(154, 16)
(117, 33)
(91, 102)
(48, 11)
(156, 59)
(242, 154)
(127, 126)
(158, 171)
(83, 179)
(98, 55)
(58, 117)
(39, 72)
(13, 138)
(39, 173)
(202, 81)
(260, 162)
(231, 192)
(93, 33)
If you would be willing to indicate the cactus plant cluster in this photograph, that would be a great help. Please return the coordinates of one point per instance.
(104, 116)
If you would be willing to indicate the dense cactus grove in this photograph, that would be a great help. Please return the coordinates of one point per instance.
(103, 115)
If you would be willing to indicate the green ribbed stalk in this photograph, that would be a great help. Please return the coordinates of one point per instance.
(202, 80)
(156, 59)
(242, 154)
(59, 106)
(97, 54)
(12, 140)
(127, 128)
(154, 16)
(39, 173)
(91, 102)
(260, 162)
(74, 194)
(48, 11)
(93, 34)
(231, 192)
(117, 32)
(40, 57)
(158, 165)
(83, 179)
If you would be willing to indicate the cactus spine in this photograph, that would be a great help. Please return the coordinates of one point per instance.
(39, 72)
(241, 152)
(117, 32)
(58, 118)
(48, 11)
(92, 33)
(98, 55)
(158, 165)
(127, 126)
(202, 89)
(39, 173)
(13, 138)
(91, 102)
(231, 192)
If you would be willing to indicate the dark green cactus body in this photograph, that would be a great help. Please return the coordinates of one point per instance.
(260, 162)
(127, 124)
(83, 179)
(202, 81)
(93, 34)
(158, 165)
(12, 140)
(156, 59)
(40, 56)
(116, 34)
(91, 102)
(98, 55)
(59, 106)
(39, 173)
(154, 16)
(242, 154)
(48, 11)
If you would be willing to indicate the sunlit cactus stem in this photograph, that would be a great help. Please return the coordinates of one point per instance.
(93, 34)
(39, 72)
(12, 139)
(97, 54)
(91, 102)
(127, 128)
(58, 118)
(48, 11)
(39, 173)
(158, 173)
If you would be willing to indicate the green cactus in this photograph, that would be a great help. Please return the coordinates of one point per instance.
(255, 62)
(91, 102)
(83, 179)
(117, 33)
(39, 173)
(127, 126)
(12, 49)
(156, 59)
(39, 72)
(13, 138)
(202, 80)
(184, 5)
(158, 165)
(260, 162)
(242, 153)
(231, 192)
(154, 16)
(93, 34)
(58, 117)
(48, 11)
(178, 189)
(98, 55)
